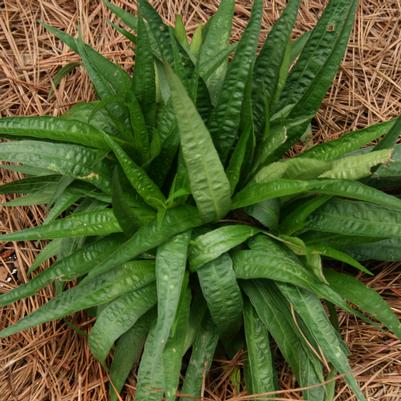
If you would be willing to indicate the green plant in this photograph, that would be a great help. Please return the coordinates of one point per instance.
(175, 208)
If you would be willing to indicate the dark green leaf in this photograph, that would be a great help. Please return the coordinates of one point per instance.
(259, 355)
(208, 181)
(223, 296)
(118, 317)
(211, 245)
(365, 298)
(226, 116)
(128, 351)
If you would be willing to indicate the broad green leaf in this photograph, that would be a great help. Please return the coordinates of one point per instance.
(209, 184)
(171, 259)
(138, 178)
(258, 192)
(361, 219)
(127, 353)
(223, 295)
(269, 62)
(201, 359)
(388, 250)
(365, 298)
(259, 355)
(100, 290)
(53, 128)
(129, 209)
(348, 143)
(70, 160)
(98, 222)
(292, 168)
(213, 244)
(274, 311)
(312, 313)
(150, 236)
(118, 317)
(69, 268)
(225, 119)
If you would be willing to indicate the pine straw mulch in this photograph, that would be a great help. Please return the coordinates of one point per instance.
(52, 362)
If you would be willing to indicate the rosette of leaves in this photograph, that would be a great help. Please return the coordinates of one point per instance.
(174, 206)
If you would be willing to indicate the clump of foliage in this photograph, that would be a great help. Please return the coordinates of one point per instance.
(173, 204)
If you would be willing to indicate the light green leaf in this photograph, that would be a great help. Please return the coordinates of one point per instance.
(357, 167)
(348, 143)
